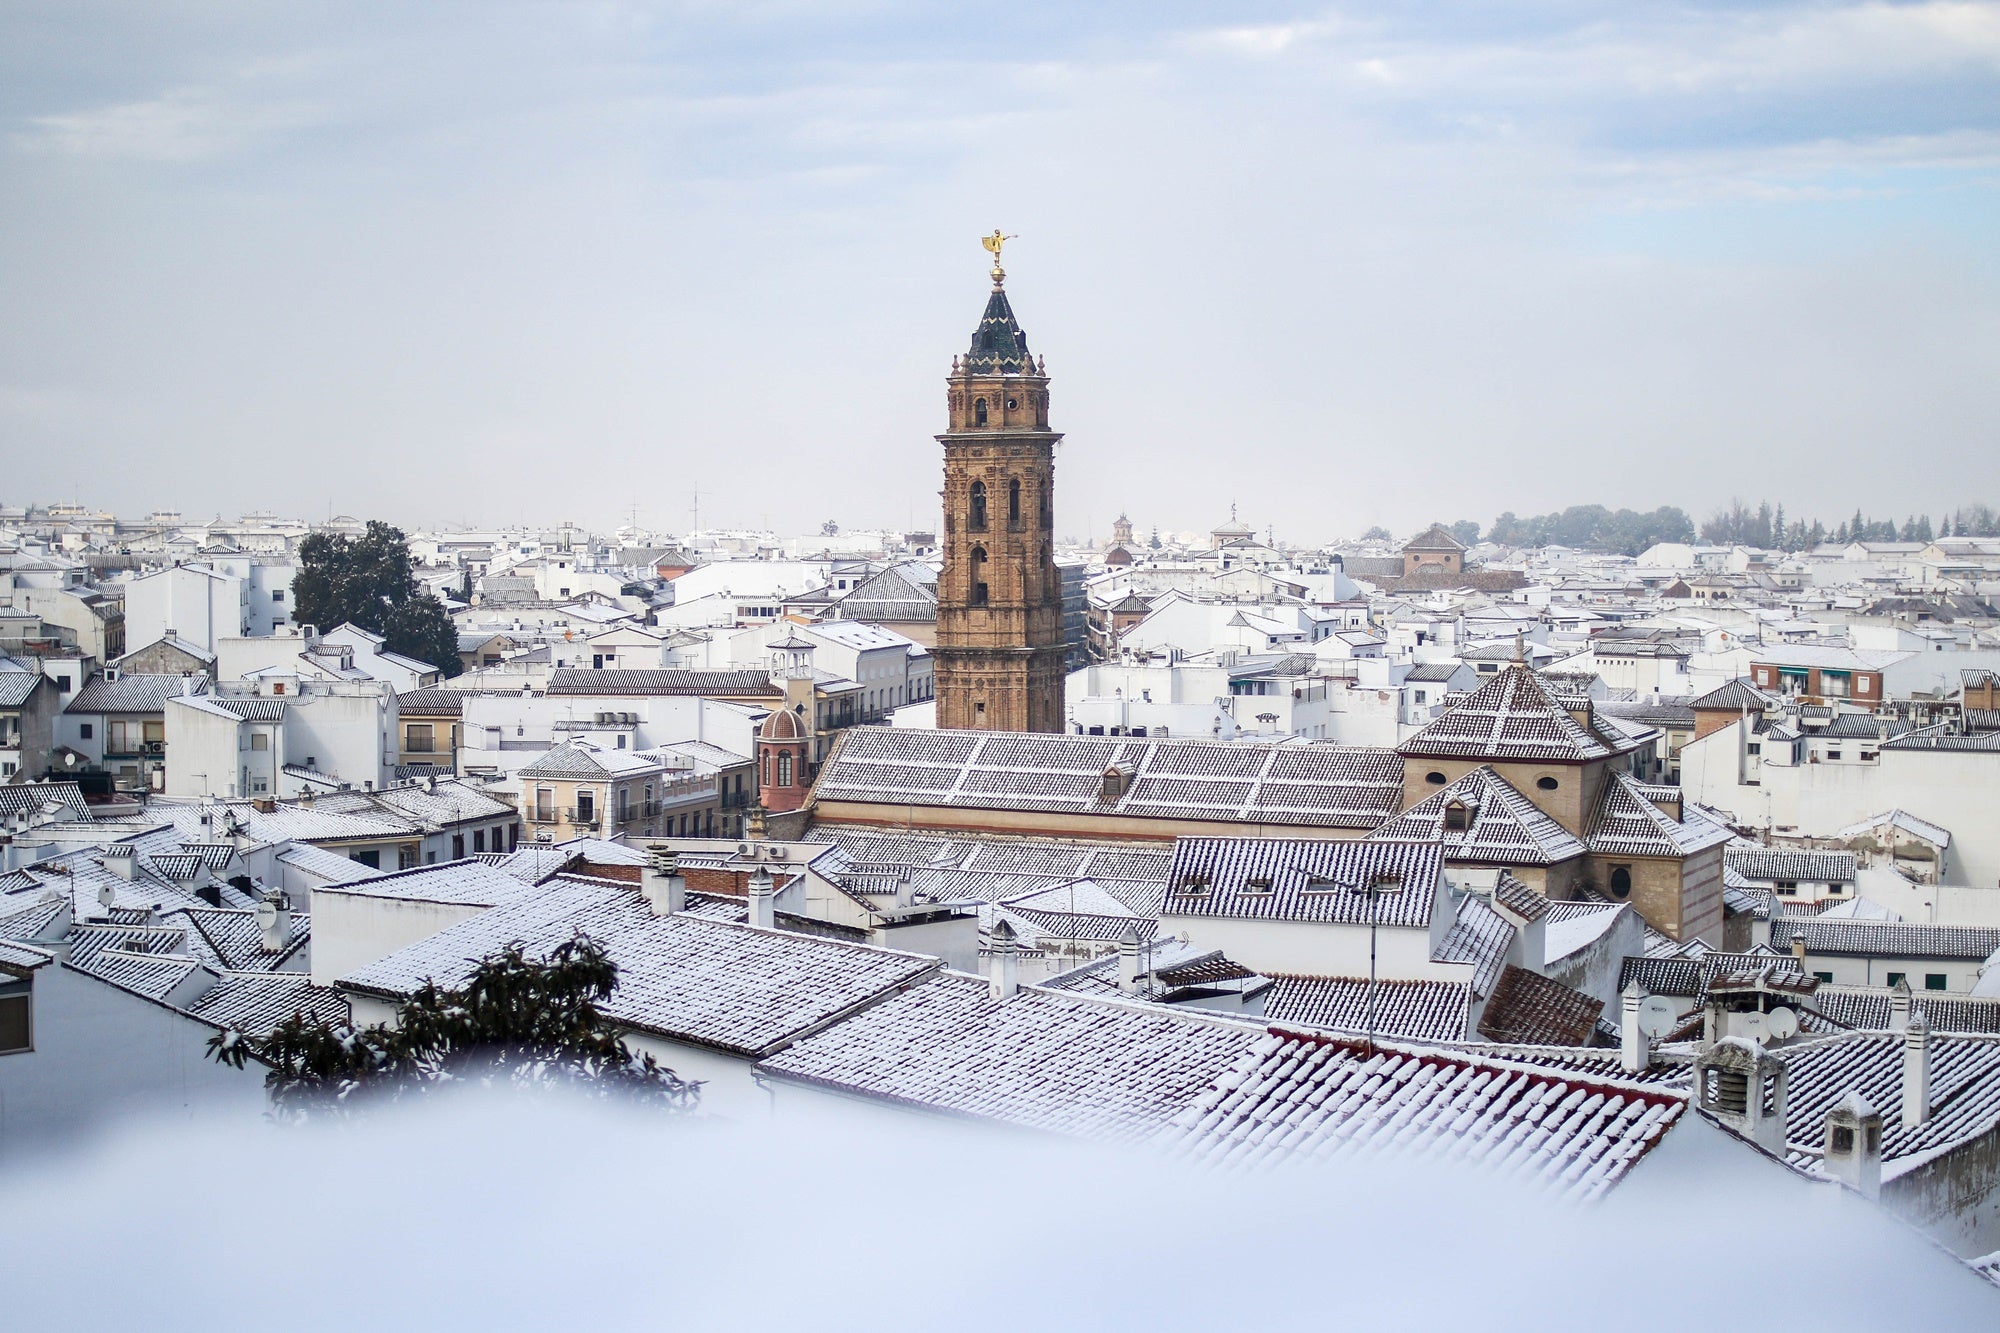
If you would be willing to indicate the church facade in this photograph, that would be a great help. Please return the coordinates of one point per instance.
(999, 651)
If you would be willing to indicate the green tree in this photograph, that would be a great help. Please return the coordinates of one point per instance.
(516, 1021)
(369, 581)
(1466, 530)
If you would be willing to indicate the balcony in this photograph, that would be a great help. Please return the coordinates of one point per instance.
(581, 818)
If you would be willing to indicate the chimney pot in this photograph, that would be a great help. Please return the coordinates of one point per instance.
(762, 912)
(1004, 974)
(1128, 961)
(1917, 1071)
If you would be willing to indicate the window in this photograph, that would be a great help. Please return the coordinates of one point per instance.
(976, 519)
(419, 738)
(1621, 881)
(85, 731)
(1755, 747)
(478, 840)
(586, 805)
(1457, 817)
(277, 594)
(458, 846)
(1435, 779)
(545, 804)
(1833, 754)
(1547, 784)
(371, 859)
(17, 1017)
(260, 740)
(1825, 976)
(277, 687)
(1014, 500)
(1898, 978)
(979, 411)
(785, 770)
(979, 590)
(1934, 981)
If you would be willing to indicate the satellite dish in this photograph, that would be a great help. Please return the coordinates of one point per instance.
(267, 914)
(1782, 1022)
(70, 759)
(1658, 1016)
(1753, 1025)
(106, 896)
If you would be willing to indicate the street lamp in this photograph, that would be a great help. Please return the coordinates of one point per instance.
(1374, 891)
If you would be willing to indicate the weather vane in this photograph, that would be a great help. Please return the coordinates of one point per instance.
(993, 244)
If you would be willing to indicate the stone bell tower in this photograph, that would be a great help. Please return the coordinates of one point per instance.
(999, 652)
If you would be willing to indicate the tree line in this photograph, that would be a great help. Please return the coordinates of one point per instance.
(1767, 526)
(1764, 525)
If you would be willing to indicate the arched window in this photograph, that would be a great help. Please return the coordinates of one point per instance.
(785, 770)
(1621, 881)
(979, 411)
(979, 576)
(1014, 500)
(764, 774)
(976, 521)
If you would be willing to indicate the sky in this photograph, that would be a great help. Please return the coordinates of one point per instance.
(492, 263)
(515, 1213)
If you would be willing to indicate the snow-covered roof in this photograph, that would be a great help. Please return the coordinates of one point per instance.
(719, 984)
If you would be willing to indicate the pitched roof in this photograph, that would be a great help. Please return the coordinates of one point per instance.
(1535, 1010)
(1511, 717)
(581, 759)
(1434, 538)
(36, 797)
(1791, 863)
(1294, 879)
(1737, 696)
(1412, 1010)
(1936, 834)
(132, 693)
(1315, 1097)
(254, 1003)
(1324, 785)
(722, 684)
(1887, 939)
(1629, 824)
(999, 347)
(1964, 1084)
(1504, 827)
(1058, 1061)
(17, 686)
(718, 984)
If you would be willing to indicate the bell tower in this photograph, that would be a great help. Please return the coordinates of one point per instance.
(999, 652)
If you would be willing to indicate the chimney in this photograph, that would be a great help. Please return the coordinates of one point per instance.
(120, 861)
(1852, 1149)
(762, 915)
(1635, 1048)
(1916, 1071)
(664, 885)
(274, 922)
(1003, 974)
(1128, 961)
(1799, 945)
(1899, 1005)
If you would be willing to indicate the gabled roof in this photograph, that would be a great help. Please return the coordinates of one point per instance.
(17, 686)
(1887, 939)
(1512, 717)
(1504, 827)
(1789, 863)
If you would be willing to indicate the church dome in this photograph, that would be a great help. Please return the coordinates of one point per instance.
(782, 725)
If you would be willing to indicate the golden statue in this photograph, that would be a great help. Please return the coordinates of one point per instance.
(993, 244)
